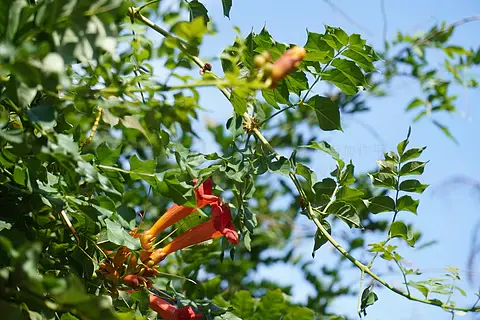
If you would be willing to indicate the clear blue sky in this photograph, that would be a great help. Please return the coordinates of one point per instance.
(446, 214)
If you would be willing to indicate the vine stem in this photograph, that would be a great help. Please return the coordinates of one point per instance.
(310, 212)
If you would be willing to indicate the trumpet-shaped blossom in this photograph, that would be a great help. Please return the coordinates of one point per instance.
(219, 225)
(175, 213)
(170, 312)
(287, 62)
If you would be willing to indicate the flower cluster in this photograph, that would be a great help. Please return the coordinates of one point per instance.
(125, 269)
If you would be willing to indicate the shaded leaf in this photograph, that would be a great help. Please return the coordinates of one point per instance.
(381, 204)
(398, 229)
(413, 168)
(406, 203)
(413, 186)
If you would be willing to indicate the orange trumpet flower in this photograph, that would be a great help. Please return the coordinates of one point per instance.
(170, 312)
(176, 213)
(219, 225)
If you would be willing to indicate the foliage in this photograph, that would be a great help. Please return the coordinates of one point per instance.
(92, 146)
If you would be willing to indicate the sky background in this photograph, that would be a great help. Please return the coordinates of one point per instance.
(448, 212)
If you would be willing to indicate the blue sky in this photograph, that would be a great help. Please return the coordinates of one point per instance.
(447, 213)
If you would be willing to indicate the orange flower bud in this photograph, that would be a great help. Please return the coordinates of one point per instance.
(287, 63)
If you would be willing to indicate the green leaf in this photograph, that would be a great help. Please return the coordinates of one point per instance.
(297, 82)
(270, 306)
(327, 111)
(282, 165)
(194, 30)
(413, 186)
(325, 147)
(132, 122)
(117, 235)
(381, 204)
(279, 95)
(324, 187)
(180, 192)
(346, 212)
(307, 173)
(346, 76)
(243, 304)
(299, 313)
(387, 167)
(44, 115)
(406, 203)
(386, 180)
(413, 168)
(420, 287)
(318, 49)
(238, 99)
(227, 5)
(107, 156)
(347, 177)
(411, 154)
(392, 156)
(415, 104)
(141, 169)
(198, 10)
(346, 193)
(445, 130)
(368, 298)
(360, 58)
(398, 229)
(402, 145)
(320, 239)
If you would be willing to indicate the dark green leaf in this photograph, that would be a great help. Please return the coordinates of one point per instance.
(387, 167)
(243, 304)
(368, 298)
(411, 154)
(327, 112)
(297, 82)
(318, 49)
(413, 186)
(198, 10)
(420, 287)
(392, 156)
(326, 186)
(346, 76)
(381, 204)
(413, 168)
(44, 115)
(399, 229)
(346, 212)
(117, 235)
(386, 180)
(238, 99)
(325, 147)
(406, 203)
(141, 169)
(346, 193)
(320, 239)
(402, 145)
(227, 5)
(360, 58)
(107, 156)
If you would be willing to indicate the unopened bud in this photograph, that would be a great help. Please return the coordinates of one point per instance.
(287, 63)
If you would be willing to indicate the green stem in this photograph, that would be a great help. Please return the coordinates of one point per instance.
(405, 277)
(151, 175)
